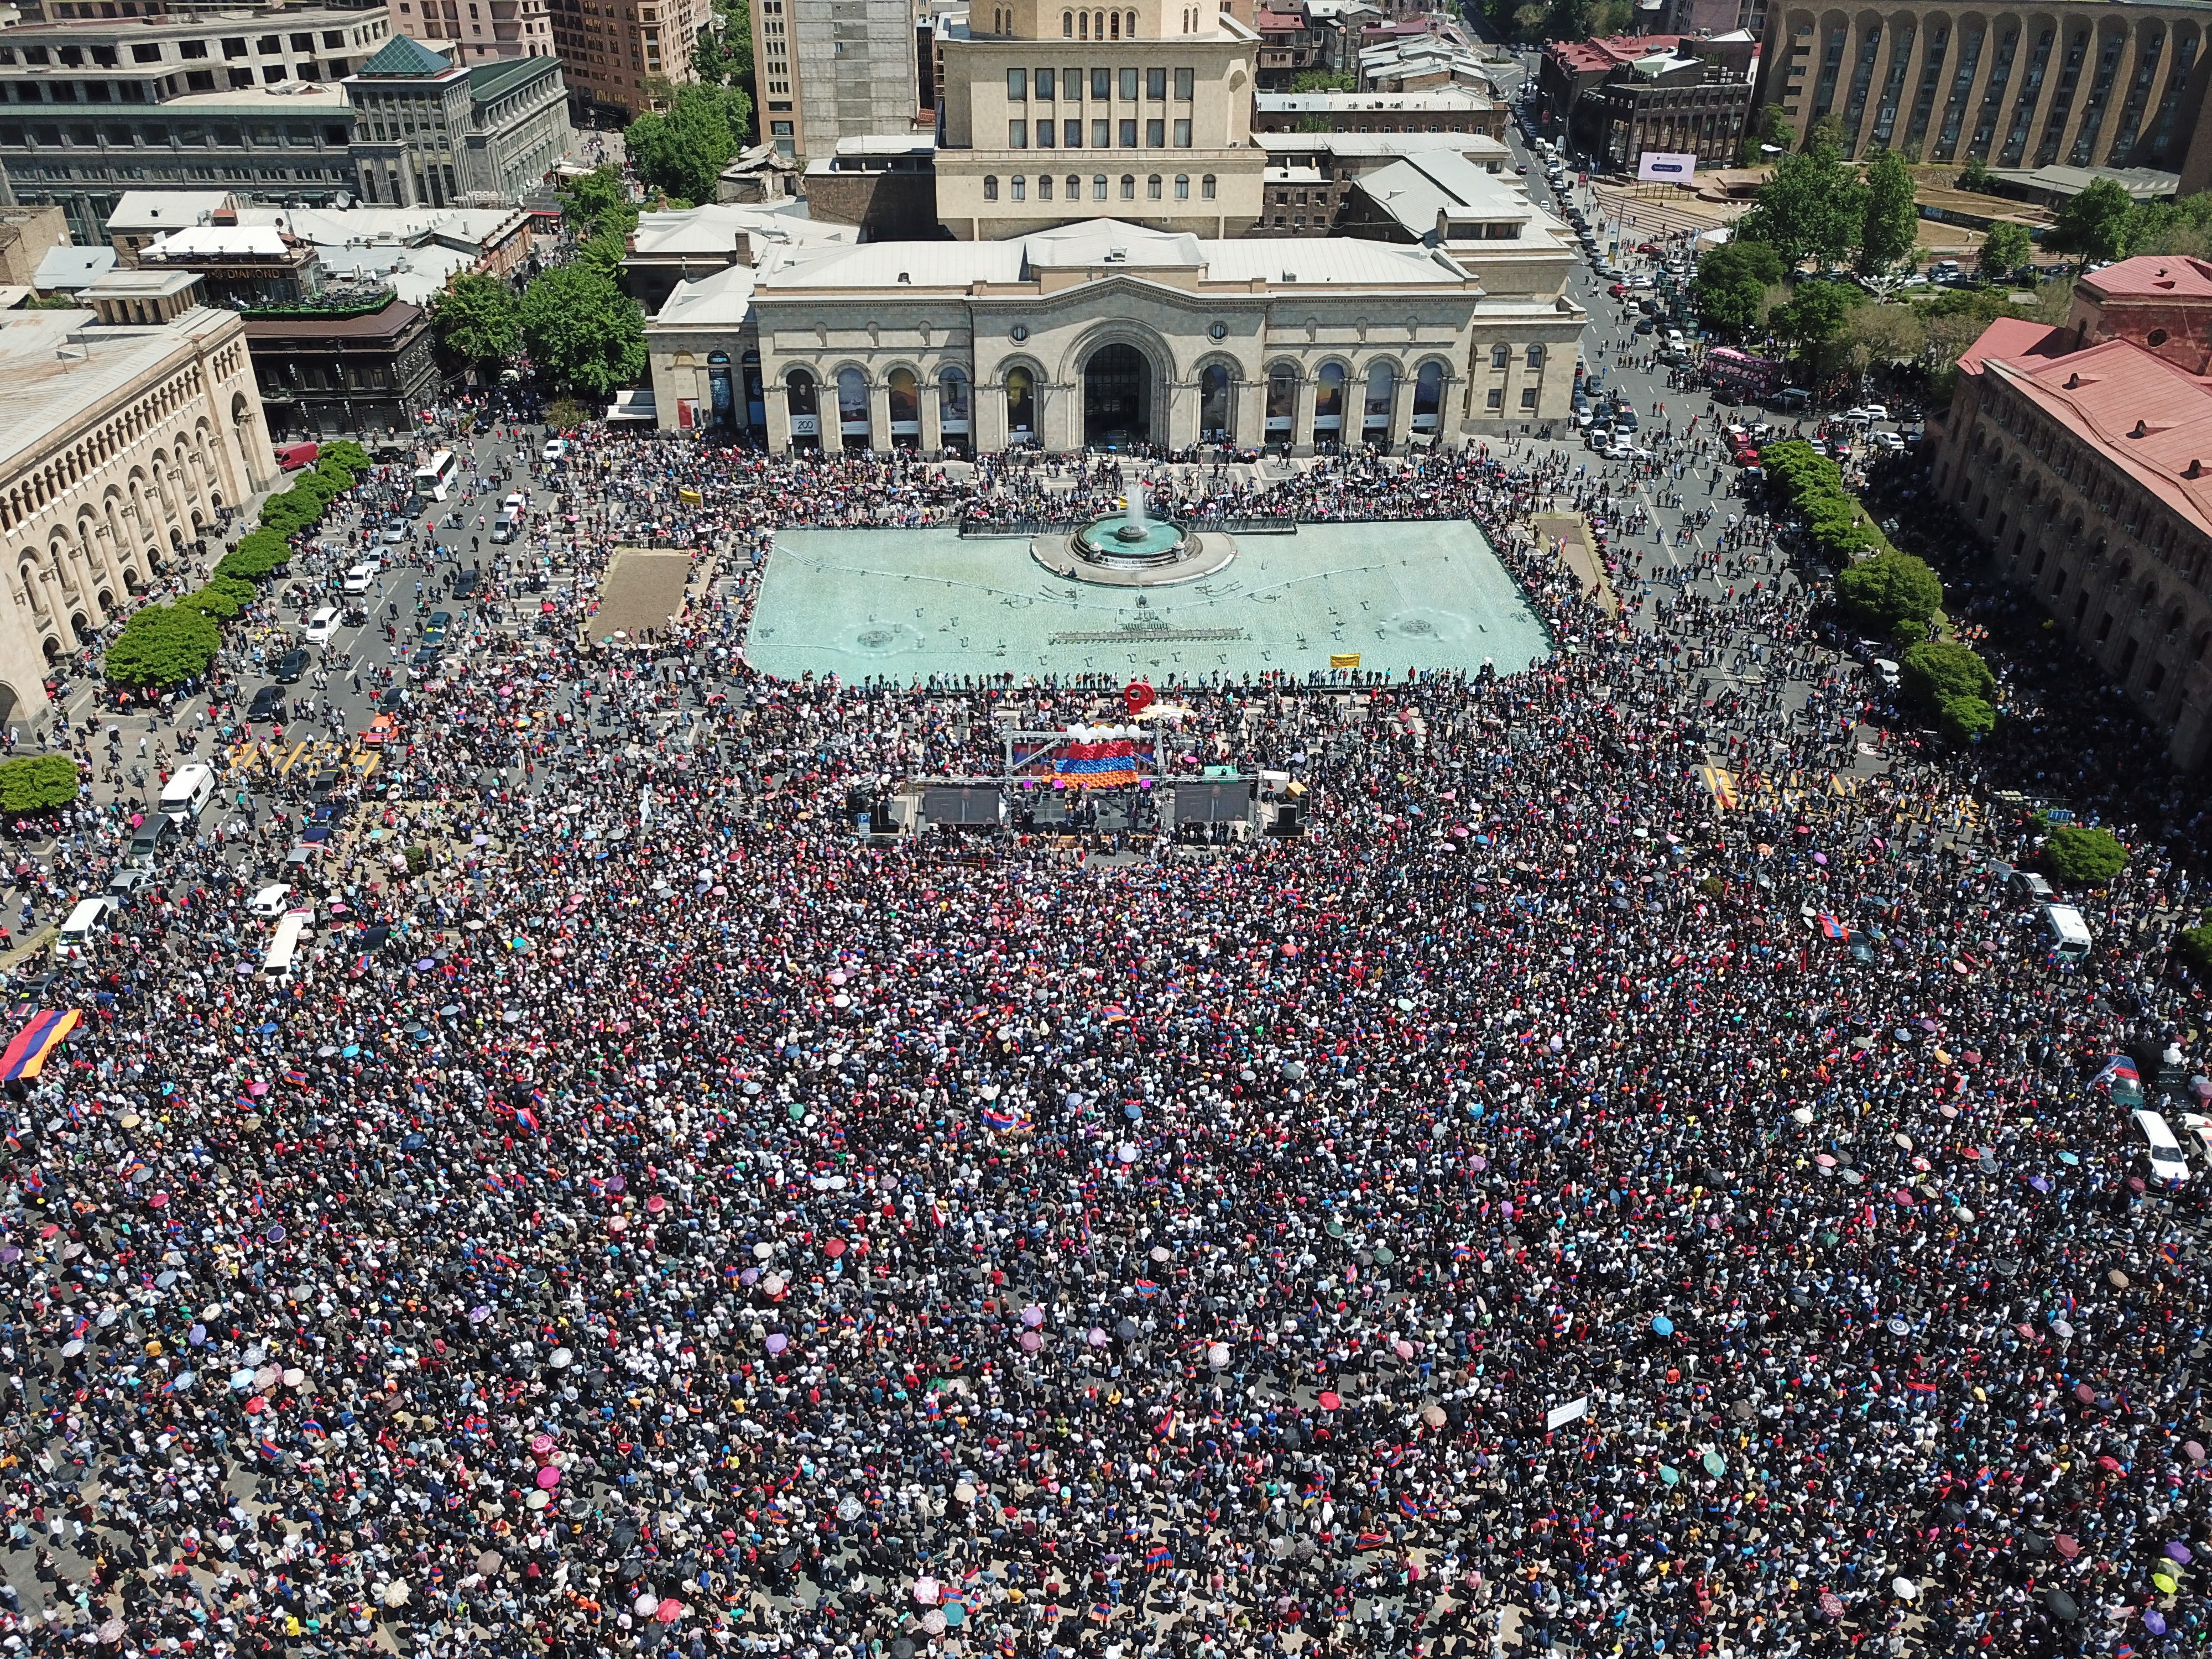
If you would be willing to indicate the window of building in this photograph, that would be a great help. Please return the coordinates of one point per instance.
(1536, 356)
(1068, 26)
(990, 188)
(1098, 188)
(1495, 398)
(1021, 188)
(1183, 187)
(1046, 133)
(1102, 134)
(1018, 86)
(192, 49)
(145, 54)
(1528, 396)
(1074, 188)
(1017, 135)
(1071, 134)
(1156, 85)
(1128, 86)
(1152, 188)
(1043, 79)
(1102, 85)
(1206, 188)
(1182, 133)
(1129, 133)
(1501, 356)
(1044, 187)
(1128, 186)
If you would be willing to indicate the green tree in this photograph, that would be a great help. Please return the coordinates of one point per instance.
(1323, 81)
(1816, 318)
(37, 783)
(2084, 855)
(2004, 249)
(1886, 334)
(584, 333)
(1813, 207)
(1731, 284)
(684, 151)
(1570, 20)
(597, 203)
(1975, 176)
(2183, 226)
(1887, 227)
(1891, 588)
(1935, 671)
(2195, 945)
(2095, 224)
(161, 645)
(723, 53)
(1771, 128)
(479, 319)
(1965, 720)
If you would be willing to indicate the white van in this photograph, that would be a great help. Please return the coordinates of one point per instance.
(80, 934)
(362, 578)
(2065, 934)
(291, 928)
(187, 793)
(2160, 1150)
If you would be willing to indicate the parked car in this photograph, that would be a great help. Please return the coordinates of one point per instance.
(271, 902)
(321, 626)
(291, 667)
(554, 450)
(266, 703)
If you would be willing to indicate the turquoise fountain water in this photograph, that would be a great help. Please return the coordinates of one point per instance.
(1134, 535)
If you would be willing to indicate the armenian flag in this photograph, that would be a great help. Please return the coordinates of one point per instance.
(1158, 1557)
(27, 1056)
(1001, 1117)
(1096, 757)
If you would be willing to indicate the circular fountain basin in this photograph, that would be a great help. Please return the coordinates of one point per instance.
(1117, 538)
(1116, 553)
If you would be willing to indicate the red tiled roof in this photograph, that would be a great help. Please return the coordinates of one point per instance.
(2012, 337)
(2150, 418)
(1612, 51)
(2153, 275)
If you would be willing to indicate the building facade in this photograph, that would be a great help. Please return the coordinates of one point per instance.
(361, 370)
(1445, 109)
(828, 71)
(476, 31)
(1109, 334)
(90, 109)
(617, 55)
(2080, 457)
(426, 132)
(2120, 85)
(1151, 123)
(1691, 101)
(123, 428)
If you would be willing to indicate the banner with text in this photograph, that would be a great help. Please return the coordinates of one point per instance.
(1663, 167)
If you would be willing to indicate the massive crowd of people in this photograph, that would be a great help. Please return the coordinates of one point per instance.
(1535, 1205)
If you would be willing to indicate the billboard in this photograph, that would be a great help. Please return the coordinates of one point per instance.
(1663, 167)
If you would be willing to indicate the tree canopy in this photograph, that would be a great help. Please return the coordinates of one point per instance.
(161, 645)
(1813, 207)
(2004, 249)
(597, 203)
(682, 152)
(1890, 222)
(584, 333)
(1732, 282)
(479, 319)
(2098, 223)
(2084, 855)
(37, 783)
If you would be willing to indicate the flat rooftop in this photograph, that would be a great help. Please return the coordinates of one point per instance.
(48, 380)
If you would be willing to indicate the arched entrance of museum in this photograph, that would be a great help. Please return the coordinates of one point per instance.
(1117, 398)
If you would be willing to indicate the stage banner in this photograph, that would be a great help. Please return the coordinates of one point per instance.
(1665, 168)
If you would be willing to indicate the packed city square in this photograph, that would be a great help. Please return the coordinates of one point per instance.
(655, 1218)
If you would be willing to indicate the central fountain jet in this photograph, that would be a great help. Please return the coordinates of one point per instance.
(1134, 550)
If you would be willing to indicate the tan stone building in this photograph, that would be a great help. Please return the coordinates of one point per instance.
(1112, 335)
(123, 428)
(2081, 458)
(1053, 113)
(2121, 85)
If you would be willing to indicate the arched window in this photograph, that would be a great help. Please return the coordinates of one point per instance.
(952, 408)
(1375, 413)
(990, 188)
(1098, 25)
(1098, 187)
(1206, 188)
(1128, 186)
(1213, 417)
(1536, 356)
(1021, 406)
(1068, 26)
(852, 407)
(1074, 188)
(1501, 356)
(1044, 187)
(1084, 21)
(1114, 20)
(1021, 188)
(1152, 188)
(1429, 396)
(1328, 404)
(1183, 187)
(1132, 25)
(1282, 403)
(903, 393)
(799, 392)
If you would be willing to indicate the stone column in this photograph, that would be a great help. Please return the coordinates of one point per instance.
(1302, 434)
(1402, 411)
(879, 413)
(932, 417)
(779, 414)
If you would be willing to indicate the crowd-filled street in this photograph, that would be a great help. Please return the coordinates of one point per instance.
(1540, 1205)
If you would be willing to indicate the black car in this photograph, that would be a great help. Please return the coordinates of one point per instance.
(291, 666)
(425, 659)
(392, 700)
(465, 585)
(268, 701)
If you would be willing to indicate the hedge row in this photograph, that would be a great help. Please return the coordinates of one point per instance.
(1888, 590)
(165, 645)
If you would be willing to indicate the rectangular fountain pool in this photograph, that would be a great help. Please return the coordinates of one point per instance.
(904, 603)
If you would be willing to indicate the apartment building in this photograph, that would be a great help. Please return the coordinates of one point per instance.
(620, 57)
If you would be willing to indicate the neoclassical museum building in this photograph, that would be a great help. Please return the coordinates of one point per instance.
(1104, 333)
